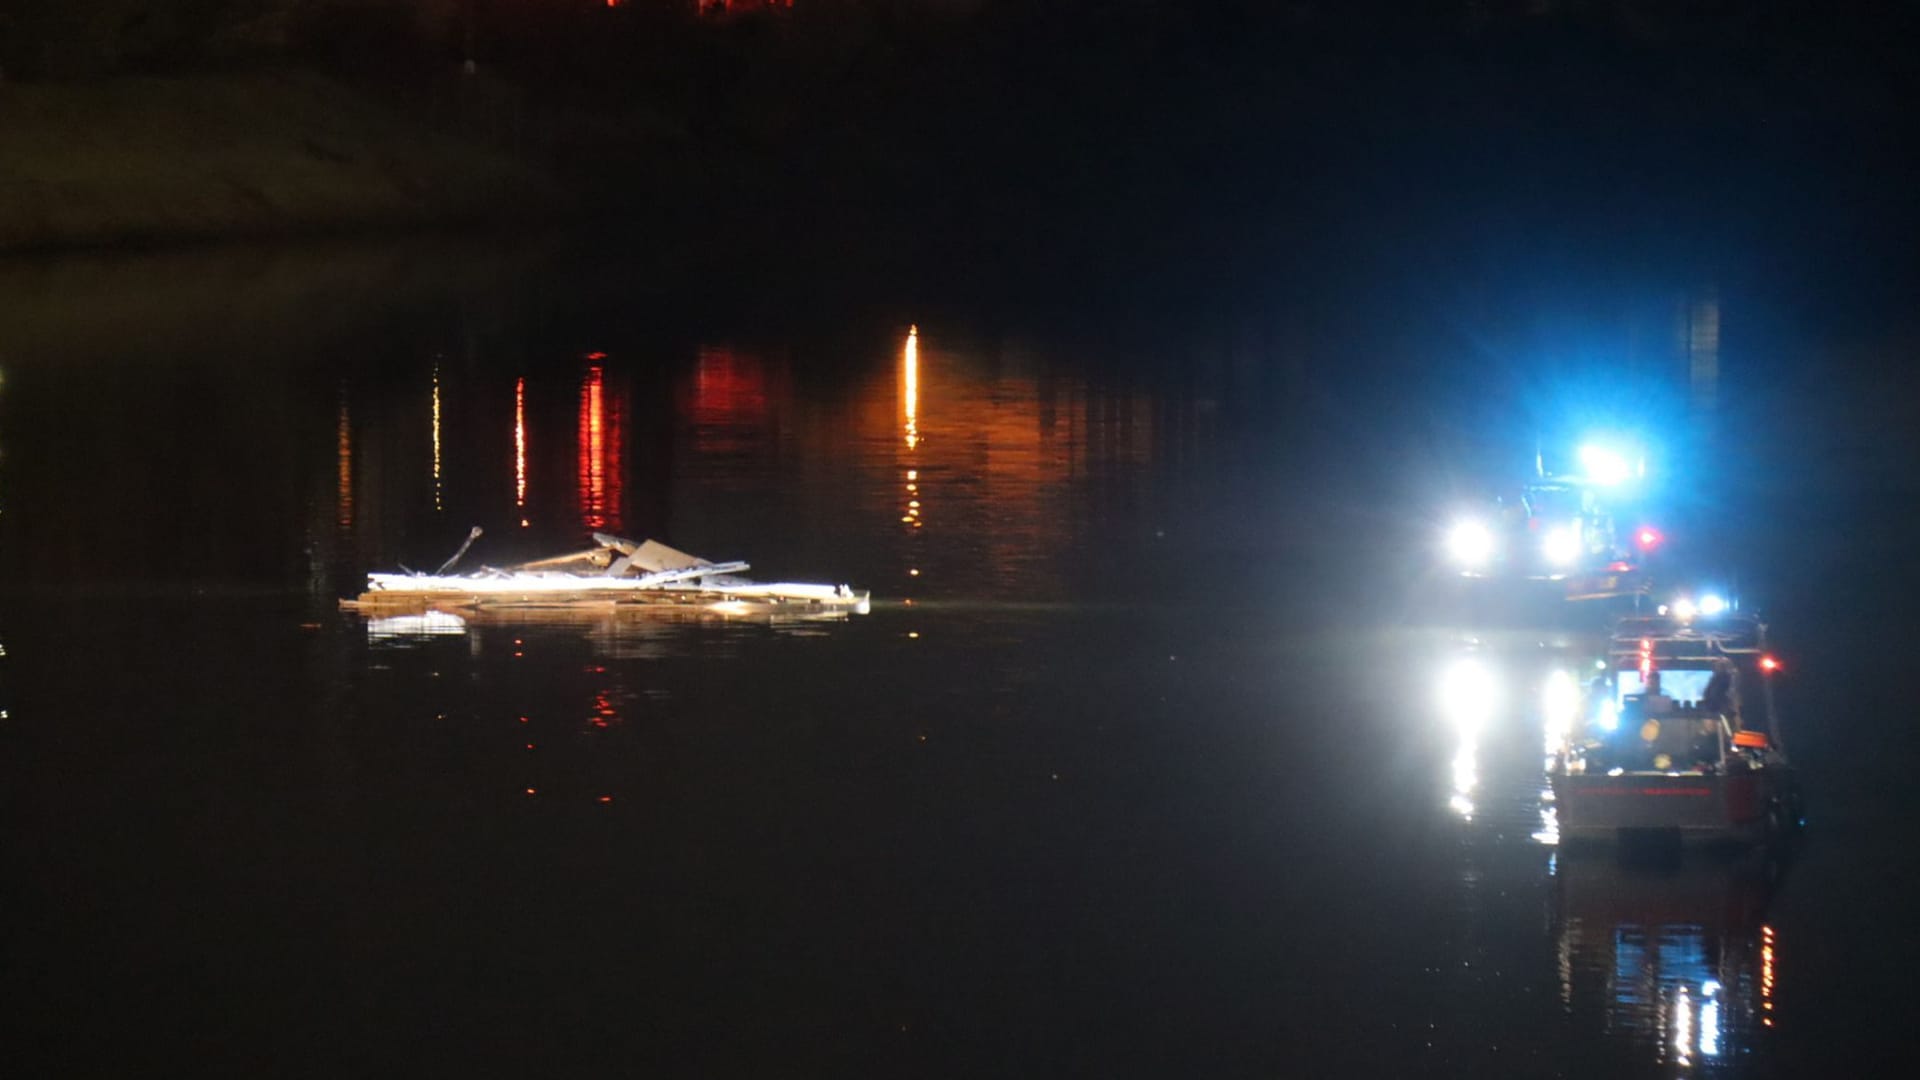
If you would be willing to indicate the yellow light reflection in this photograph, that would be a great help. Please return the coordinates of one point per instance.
(438, 503)
(1766, 974)
(520, 445)
(910, 405)
(910, 380)
(343, 449)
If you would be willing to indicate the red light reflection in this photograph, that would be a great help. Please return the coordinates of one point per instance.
(731, 7)
(729, 388)
(602, 441)
(606, 711)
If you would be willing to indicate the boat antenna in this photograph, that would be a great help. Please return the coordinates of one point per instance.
(472, 535)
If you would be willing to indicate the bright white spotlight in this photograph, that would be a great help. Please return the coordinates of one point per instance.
(1603, 466)
(1711, 605)
(1683, 609)
(1562, 546)
(1470, 543)
(1468, 695)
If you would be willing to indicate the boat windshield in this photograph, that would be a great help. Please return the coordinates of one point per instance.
(1686, 688)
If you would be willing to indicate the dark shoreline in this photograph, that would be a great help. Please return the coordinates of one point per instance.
(243, 155)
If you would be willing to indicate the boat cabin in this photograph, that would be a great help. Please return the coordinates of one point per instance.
(1680, 733)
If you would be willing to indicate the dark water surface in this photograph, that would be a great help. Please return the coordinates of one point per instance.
(1134, 769)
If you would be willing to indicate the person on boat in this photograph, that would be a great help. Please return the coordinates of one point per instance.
(1720, 698)
(1622, 746)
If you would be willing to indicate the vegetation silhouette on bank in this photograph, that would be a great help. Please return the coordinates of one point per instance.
(1069, 130)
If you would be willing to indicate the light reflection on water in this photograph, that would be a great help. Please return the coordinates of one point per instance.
(1672, 955)
(601, 451)
(1099, 723)
(1024, 469)
(1667, 957)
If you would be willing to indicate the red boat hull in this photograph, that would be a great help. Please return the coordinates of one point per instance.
(1740, 806)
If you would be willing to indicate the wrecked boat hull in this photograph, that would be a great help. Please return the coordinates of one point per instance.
(620, 576)
(760, 602)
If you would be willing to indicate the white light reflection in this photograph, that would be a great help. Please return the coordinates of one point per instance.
(1466, 769)
(1462, 805)
(1710, 1019)
(1549, 831)
(1466, 777)
(1560, 705)
(1468, 695)
(1696, 1027)
(1682, 1028)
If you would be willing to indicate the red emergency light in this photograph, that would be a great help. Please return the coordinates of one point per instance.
(1648, 538)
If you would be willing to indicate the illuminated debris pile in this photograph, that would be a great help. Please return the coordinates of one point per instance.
(618, 575)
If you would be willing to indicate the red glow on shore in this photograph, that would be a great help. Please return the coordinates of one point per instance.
(736, 7)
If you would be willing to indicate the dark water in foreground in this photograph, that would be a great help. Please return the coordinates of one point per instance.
(1135, 767)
